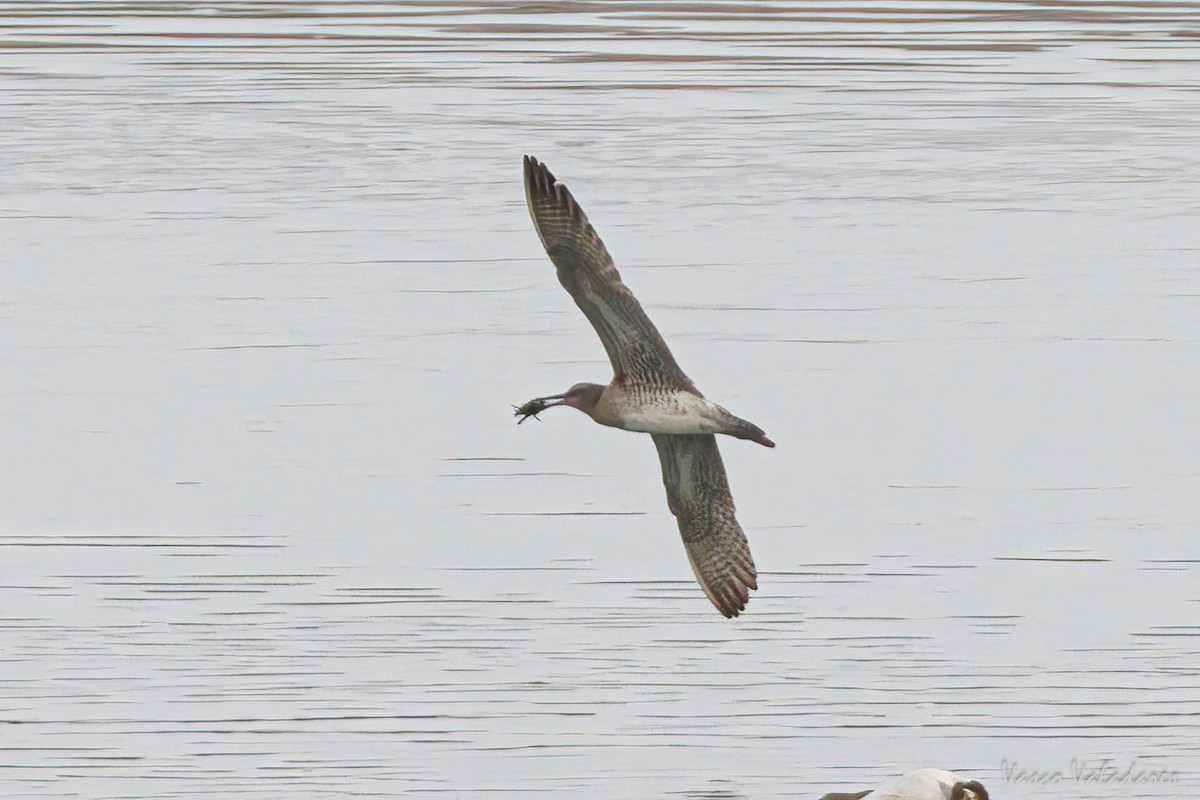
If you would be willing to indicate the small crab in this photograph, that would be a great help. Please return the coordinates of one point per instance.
(531, 409)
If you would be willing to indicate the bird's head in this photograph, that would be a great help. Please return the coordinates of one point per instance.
(583, 396)
(970, 790)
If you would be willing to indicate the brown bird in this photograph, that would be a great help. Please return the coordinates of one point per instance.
(648, 393)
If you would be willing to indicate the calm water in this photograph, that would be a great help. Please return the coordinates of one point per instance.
(267, 528)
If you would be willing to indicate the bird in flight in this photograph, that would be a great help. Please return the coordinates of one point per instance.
(649, 393)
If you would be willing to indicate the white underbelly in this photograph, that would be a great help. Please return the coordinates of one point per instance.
(680, 413)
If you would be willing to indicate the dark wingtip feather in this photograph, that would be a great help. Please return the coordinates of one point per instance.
(731, 598)
(537, 175)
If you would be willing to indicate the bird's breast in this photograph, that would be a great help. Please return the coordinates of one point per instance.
(662, 411)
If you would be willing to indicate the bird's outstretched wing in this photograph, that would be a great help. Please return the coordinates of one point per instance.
(586, 270)
(698, 495)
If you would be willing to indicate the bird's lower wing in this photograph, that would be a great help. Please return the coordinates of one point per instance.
(586, 270)
(698, 495)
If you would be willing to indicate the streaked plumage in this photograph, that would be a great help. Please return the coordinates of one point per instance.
(648, 393)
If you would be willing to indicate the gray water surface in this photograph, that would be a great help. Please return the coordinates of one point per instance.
(267, 528)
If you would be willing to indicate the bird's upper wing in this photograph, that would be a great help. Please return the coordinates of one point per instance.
(586, 270)
(925, 782)
(698, 495)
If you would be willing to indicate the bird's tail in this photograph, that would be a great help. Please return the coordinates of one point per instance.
(743, 429)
